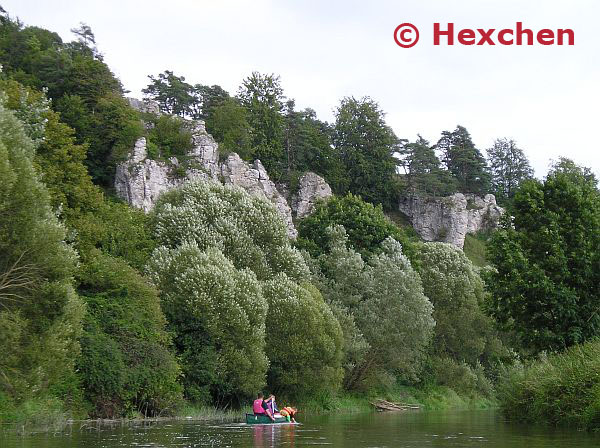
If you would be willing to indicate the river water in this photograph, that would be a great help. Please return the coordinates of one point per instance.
(411, 429)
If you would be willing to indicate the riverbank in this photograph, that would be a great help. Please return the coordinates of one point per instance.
(558, 389)
(48, 416)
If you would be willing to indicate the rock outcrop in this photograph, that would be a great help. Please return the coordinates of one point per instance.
(141, 180)
(255, 180)
(311, 188)
(449, 219)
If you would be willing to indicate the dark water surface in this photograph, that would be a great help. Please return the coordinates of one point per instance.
(418, 429)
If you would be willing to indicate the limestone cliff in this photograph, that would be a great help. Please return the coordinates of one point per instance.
(449, 219)
(140, 180)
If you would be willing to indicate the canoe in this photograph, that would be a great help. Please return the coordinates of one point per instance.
(252, 419)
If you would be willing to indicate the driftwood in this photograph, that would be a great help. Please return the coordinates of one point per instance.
(383, 405)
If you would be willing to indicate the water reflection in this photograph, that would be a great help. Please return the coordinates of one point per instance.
(274, 435)
(449, 429)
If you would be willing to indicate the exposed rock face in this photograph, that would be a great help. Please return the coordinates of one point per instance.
(311, 188)
(144, 105)
(140, 180)
(449, 219)
(255, 180)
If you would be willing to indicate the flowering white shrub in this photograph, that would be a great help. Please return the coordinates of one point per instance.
(221, 251)
(209, 302)
(247, 229)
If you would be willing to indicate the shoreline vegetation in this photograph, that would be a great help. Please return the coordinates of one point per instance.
(435, 398)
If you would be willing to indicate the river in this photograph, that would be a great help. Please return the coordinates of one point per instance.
(411, 429)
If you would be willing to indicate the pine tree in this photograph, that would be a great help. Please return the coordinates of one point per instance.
(464, 161)
(424, 174)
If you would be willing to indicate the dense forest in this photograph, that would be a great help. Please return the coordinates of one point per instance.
(109, 312)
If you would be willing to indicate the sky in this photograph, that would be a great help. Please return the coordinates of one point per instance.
(544, 97)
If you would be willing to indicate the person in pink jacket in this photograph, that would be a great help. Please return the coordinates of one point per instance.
(260, 407)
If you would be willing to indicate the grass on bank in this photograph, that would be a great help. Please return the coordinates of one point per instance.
(475, 250)
(49, 415)
(560, 389)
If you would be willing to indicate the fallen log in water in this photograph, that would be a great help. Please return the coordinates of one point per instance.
(383, 405)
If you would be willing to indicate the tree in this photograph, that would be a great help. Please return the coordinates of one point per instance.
(173, 95)
(463, 331)
(366, 146)
(307, 143)
(210, 97)
(546, 278)
(239, 238)
(304, 340)
(365, 224)
(228, 124)
(464, 161)
(217, 313)
(424, 173)
(382, 299)
(509, 168)
(262, 96)
(126, 365)
(40, 313)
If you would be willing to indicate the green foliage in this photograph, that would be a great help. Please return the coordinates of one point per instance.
(464, 161)
(233, 250)
(215, 310)
(463, 332)
(424, 174)
(173, 95)
(262, 96)
(228, 124)
(126, 367)
(546, 277)
(559, 389)
(509, 168)
(307, 144)
(40, 313)
(386, 317)
(365, 224)
(247, 229)
(84, 90)
(304, 340)
(366, 146)
(171, 136)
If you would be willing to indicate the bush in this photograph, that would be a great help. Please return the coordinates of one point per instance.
(557, 389)
(218, 315)
(304, 340)
(126, 366)
(365, 224)
(170, 136)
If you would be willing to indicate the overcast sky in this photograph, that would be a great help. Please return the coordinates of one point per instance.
(546, 98)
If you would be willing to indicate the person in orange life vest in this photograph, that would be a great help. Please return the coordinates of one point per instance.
(289, 413)
(259, 407)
